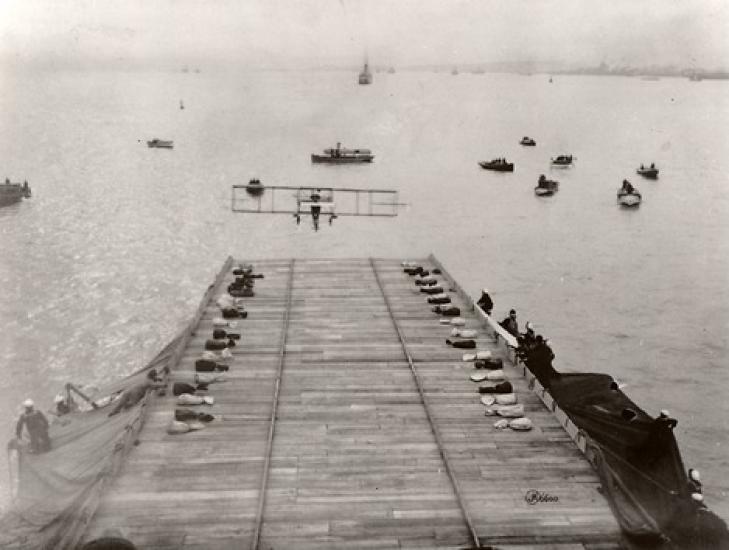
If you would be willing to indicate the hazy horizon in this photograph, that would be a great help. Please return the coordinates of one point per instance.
(282, 34)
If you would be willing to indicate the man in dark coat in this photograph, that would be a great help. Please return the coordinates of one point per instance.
(485, 302)
(37, 427)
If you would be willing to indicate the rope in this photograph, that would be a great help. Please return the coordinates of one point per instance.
(433, 427)
(274, 410)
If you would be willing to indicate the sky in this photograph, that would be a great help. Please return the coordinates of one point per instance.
(291, 33)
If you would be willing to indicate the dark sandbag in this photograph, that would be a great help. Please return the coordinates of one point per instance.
(439, 300)
(413, 270)
(465, 344)
(501, 387)
(447, 311)
(241, 293)
(432, 290)
(219, 333)
(491, 364)
(178, 388)
(232, 313)
(183, 415)
(215, 344)
(205, 365)
(425, 283)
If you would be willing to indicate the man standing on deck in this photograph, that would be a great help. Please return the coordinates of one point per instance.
(37, 427)
(485, 302)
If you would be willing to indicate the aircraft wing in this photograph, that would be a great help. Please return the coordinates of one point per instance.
(283, 199)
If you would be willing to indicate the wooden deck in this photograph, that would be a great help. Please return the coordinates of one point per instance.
(353, 458)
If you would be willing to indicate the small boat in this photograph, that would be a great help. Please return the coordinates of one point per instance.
(498, 165)
(255, 188)
(160, 144)
(182, 105)
(651, 172)
(454, 72)
(545, 187)
(391, 70)
(528, 141)
(13, 192)
(562, 160)
(341, 155)
(365, 77)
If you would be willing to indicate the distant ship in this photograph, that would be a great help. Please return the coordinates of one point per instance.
(13, 192)
(454, 71)
(365, 77)
(391, 70)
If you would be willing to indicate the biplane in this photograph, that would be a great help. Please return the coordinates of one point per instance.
(316, 202)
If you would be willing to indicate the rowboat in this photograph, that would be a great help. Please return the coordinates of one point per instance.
(629, 199)
(562, 160)
(160, 144)
(650, 173)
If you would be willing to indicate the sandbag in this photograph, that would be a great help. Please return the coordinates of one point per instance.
(505, 399)
(242, 293)
(439, 300)
(458, 322)
(488, 400)
(464, 333)
(177, 427)
(189, 399)
(465, 344)
(491, 364)
(501, 387)
(431, 289)
(510, 411)
(215, 344)
(205, 365)
(178, 388)
(521, 424)
(479, 355)
(447, 311)
(220, 322)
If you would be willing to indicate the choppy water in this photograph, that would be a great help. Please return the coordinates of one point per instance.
(112, 254)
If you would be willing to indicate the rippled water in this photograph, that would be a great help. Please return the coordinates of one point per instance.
(111, 256)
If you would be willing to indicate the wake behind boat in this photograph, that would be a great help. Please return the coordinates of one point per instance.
(13, 192)
(497, 165)
(160, 144)
(342, 155)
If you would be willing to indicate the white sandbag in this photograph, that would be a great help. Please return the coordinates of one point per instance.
(494, 374)
(444, 321)
(427, 279)
(196, 425)
(225, 301)
(219, 322)
(521, 424)
(510, 411)
(189, 399)
(409, 263)
(208, 378)
(177, 427)
(501, 424)
(488, 400)
(458, 322)
(464, 333)
(505, 398)
(479, 376)
(485, 354)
